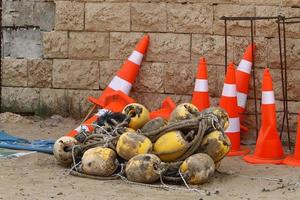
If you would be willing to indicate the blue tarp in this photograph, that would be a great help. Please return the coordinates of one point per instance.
(12, 142)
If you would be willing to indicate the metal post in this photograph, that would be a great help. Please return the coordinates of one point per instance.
(282, 77)
(285, 84)
(254, 78)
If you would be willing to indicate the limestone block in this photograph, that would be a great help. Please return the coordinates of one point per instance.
(269, 28)
(241, 28)
(151, 101)
(15, 99)
(190, 18)
(69, 15)
(77, 101)
(262, 2)
(292, 53)
(122, 44)
(39, 73)
(24, 43)
(53, 101)
(179, 78)
(55, 44)
(82, 74)
(212, 47)
(150, 78)
(44, 15)
(18, 13)
(107, 17)
(85, 45)
(108, 70)
(149, 17)
(291, 3)
(168, 47)
(6, 42)
(14, 72)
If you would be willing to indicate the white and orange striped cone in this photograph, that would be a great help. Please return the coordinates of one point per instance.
(268, 149)
(126, 76)
(200, 95)
(243, 75)
(119, 87)
(228, 101)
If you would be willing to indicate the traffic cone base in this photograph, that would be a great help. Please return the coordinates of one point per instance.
(258, 160)
(236, 149)
(268, 148)
(292, 161)
(240, 152)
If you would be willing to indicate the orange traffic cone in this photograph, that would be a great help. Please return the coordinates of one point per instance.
(200, 95)
(268, 146)
(243, 75)
(122, 82)
(229, 103)
(167, 107)
(126, 76)
(294, 160)
(115, 102)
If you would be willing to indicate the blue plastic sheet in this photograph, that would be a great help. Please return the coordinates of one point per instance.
(11, 142)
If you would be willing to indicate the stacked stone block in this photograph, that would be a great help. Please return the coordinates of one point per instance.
(91, 38)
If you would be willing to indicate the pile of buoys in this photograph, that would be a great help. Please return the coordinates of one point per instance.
(187, 147)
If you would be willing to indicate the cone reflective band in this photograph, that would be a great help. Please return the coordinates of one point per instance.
(228, 101)
(200, 95)
(268, 148)
(243, 75)
(86, 126)
(294, 160)
(122, 82)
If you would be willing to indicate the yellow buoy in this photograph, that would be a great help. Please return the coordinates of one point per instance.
(216, 144)
(183, 111)
(139, 115)
(131, 144)
(197, 169)
(143, 168)
(60, 151)
(221, 114)
(99, 161)
(170, 146)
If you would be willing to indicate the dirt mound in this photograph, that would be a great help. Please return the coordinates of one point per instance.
(8, 117)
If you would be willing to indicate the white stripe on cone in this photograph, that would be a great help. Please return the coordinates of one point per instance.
(120, 84)
(268, 97)
(229, 90)
(101, 112)
(234, 125)
(242, 99)
(136, 57)
(245, 66)
(82, 128)
(201, 85)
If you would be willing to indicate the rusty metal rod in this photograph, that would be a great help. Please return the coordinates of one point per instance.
(282, 77)
(247, 18)
(285, 82)
(254, 79)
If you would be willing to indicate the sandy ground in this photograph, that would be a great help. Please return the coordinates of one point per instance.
(38, 176)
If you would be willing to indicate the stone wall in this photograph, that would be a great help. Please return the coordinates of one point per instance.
(53, 71)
